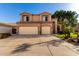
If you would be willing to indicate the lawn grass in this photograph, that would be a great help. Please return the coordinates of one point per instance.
(60, 35)
(72, 35)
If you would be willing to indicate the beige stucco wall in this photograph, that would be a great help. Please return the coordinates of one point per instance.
(55, 24)
(28, 24)
(36, 18)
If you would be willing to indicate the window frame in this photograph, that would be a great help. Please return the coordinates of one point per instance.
(26, 18)
(45, 18)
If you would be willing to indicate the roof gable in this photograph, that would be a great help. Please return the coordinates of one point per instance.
(46, 13)
(23, 13)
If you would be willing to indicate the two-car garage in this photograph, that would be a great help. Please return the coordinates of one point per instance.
(28, 30)
(34, 30)
(46, 30)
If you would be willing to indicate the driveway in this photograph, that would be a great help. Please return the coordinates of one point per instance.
(42, 45)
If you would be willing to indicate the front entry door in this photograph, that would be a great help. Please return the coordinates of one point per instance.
(13, 31)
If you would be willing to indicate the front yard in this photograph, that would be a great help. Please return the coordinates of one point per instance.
(72, 39)
(72, 35)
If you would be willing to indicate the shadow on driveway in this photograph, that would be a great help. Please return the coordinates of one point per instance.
(25, 46)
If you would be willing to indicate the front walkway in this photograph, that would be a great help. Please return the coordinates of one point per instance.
(39, 46)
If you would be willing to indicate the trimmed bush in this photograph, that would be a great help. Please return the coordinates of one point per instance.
(4, 35)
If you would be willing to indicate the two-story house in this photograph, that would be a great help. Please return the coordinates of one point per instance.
(36, 24)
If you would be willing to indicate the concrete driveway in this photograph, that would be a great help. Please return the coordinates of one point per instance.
(42, 45)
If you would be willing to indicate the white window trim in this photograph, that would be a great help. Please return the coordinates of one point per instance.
(25, 18)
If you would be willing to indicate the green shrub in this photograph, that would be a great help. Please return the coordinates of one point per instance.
(4, 35)
(73, 35)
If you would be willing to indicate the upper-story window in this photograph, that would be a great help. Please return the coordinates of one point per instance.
(26, 18)
(45, 18)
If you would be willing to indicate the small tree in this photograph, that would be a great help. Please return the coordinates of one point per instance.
(67, 32)
(66, 18)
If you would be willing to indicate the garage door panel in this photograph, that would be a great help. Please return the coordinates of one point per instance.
(28, 30)
(45, 30)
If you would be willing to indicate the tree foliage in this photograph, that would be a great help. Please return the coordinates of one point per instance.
(68, 20)
(67, 17)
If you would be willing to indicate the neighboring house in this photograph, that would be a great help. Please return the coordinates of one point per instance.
(35, 24)
(6, 27)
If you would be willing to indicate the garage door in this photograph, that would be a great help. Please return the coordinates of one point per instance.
(28, 30)
(45, 30)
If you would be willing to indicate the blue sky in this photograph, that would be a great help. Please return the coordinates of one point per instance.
(9, 12)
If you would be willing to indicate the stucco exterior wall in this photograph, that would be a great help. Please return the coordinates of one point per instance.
(55, 24)
(36, 18)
